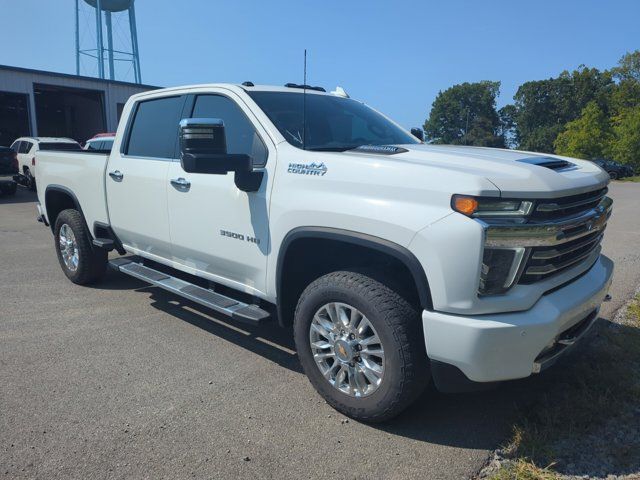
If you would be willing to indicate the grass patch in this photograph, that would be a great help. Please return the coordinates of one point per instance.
(568, 424)
(631, 179)
(524, 470)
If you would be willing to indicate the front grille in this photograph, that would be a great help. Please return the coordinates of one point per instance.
(567, 206)
(544, 262)
(577, 240)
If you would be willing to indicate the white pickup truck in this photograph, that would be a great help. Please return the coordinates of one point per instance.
(396, 263)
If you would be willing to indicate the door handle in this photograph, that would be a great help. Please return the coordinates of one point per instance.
(117, 175)
(180, 183)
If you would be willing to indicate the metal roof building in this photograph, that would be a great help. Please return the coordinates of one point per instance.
(35, 102)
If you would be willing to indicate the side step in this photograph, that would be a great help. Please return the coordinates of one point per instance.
(104, 243)
(242, 312)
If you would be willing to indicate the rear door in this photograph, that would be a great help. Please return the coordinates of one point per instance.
(137, 177)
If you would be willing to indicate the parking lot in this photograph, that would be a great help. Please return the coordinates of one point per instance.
(122, 380)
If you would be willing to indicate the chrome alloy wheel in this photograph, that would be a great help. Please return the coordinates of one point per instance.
(68, 247)
(347, 349)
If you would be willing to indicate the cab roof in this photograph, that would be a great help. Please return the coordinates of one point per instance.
(235, 87)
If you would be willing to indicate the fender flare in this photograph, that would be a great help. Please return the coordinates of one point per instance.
(361, 239)
(66, 191)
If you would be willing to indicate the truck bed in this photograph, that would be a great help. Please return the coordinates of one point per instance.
(82, 173)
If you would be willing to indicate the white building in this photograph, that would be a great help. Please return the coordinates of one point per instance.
(39, 103)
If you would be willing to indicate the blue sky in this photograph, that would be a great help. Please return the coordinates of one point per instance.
(395, 55)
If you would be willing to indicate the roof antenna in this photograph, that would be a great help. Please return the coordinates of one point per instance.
(304, 103)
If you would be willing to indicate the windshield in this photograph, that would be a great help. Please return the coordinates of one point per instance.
(332, 123)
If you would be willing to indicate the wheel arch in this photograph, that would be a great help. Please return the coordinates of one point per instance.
(369, 243)
(58, 198)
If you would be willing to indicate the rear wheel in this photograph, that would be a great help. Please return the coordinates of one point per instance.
(613, 175)
(31, 181)
(81, 263)
(361, 345)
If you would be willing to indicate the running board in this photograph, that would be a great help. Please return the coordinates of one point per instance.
(242, 312)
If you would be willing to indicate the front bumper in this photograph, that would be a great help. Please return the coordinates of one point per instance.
(505, 346)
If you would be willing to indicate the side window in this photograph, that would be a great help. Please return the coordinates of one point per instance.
(15, 146)
(107, 145)
(154, 131)
(25, 147)
(94, 146)
(240, 132)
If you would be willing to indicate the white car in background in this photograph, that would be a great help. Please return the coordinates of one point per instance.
(101, 142)
(26, 148)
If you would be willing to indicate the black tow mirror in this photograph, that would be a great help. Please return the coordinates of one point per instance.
(418, 133)
(203, 148)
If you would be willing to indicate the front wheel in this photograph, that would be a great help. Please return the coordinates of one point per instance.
(613, 175)
(80, 262)
(361, 345)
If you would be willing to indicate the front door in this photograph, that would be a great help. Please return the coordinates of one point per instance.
(218, 231)
(137, 177)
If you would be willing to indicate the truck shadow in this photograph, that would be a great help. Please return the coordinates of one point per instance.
(476, 420)
(269, 340)
(481, 420)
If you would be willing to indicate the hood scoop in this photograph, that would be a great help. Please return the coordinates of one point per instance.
(548, 162)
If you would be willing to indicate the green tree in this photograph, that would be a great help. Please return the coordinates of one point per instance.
(543, 107)
(628, 67)
(626, 146)
(466, 114)
(589, 136)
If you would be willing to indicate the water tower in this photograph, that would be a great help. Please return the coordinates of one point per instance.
(127, 53)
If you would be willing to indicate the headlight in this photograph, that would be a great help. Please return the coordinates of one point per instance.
(500, 267)
(484, 207)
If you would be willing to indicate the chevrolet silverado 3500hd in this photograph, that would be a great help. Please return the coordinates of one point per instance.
(396, 262)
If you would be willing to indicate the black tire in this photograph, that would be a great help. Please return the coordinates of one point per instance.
(613, 175)
(92, 262)
(397, 323)
(31, 181)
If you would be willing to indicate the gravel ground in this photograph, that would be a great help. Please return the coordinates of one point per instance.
(605, 444)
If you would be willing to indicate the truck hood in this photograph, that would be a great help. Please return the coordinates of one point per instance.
(515, 173)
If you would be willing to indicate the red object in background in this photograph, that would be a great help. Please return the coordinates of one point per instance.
(100, 135)
(33, 161)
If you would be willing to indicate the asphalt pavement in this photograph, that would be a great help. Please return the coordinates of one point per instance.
(121, 380)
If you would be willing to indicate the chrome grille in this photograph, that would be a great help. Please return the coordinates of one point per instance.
(546, 261)
(565, 206)
(559, 234)
(577, 241)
